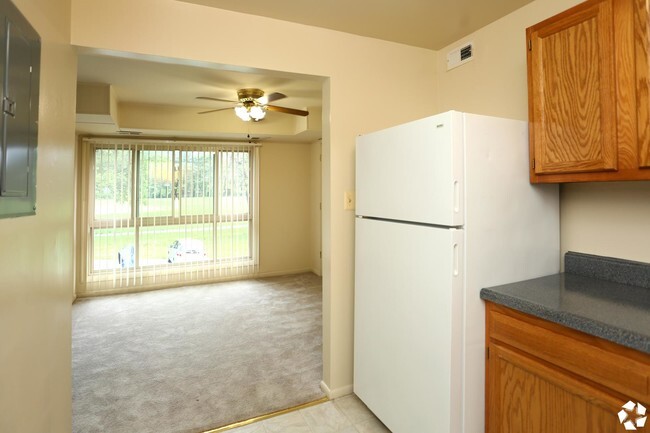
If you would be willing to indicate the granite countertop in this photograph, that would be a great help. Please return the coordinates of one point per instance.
(603, 297)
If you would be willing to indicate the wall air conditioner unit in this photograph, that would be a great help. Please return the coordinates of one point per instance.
(460, 55)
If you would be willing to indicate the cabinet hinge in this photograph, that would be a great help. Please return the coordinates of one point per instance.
(533, 163)
(487, 349)
(530, 45)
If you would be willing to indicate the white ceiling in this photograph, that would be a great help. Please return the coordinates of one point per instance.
(159, 83)
(431, 24)
(166, 91)
(165, 87)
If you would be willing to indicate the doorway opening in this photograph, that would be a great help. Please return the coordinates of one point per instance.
(282, 245)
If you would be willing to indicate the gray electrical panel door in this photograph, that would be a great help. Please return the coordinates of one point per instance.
(19, 73)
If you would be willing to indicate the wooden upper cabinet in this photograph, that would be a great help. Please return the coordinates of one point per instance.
(642, 49)
(588, 93)
(572, 90)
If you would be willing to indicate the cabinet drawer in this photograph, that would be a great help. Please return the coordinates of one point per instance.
(602, 362)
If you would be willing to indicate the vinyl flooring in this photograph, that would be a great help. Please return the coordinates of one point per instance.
(347, 414)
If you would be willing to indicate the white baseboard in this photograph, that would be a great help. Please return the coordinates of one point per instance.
(337, 392)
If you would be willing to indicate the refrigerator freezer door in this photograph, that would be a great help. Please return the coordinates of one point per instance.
(408, 319)
(413, 172)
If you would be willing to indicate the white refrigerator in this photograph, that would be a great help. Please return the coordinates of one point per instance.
(444, 208)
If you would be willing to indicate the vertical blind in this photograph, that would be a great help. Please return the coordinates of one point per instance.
(161, 214)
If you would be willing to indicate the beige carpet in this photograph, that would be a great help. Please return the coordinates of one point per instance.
(195, 358)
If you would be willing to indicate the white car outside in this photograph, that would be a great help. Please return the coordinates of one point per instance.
(186, 250)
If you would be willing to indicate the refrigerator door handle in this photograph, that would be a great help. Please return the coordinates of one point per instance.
(456, 259)
(456, 196)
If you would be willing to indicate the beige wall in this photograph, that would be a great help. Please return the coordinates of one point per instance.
(494, 82)
(285, 219)
(37, 251)
(354, 68)
(609, 219)
(598, 218)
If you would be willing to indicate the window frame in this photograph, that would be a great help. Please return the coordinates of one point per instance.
(90, 223)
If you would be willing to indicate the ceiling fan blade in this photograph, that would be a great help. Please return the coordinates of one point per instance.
(214, 99)
(275, 96)
(213, 111)
(287, 110)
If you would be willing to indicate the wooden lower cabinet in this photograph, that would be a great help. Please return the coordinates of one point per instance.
(529, 394)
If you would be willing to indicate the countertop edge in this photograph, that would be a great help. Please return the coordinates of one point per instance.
(591, 327)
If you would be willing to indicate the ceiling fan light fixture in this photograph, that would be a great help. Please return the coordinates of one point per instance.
(247, 112)
(252, 104)
(257, 112)
(242, 113)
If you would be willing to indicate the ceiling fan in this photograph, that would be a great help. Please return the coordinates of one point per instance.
(253, 105)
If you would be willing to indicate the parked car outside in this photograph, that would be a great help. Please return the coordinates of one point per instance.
(126, 256)
(186, 250)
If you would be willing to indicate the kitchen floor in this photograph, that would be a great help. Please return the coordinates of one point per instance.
(343, 415)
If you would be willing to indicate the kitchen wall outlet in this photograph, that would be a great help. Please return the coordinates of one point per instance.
(348, 200)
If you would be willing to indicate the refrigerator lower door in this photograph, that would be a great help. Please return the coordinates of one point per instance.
(408, 319)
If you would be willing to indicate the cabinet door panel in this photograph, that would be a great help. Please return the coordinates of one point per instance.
(642, 42)
(528, 396)
(572, 91)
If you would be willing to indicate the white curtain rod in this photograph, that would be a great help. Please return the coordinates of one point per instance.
(135, 140)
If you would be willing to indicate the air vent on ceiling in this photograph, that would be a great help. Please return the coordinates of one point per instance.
(460, 55)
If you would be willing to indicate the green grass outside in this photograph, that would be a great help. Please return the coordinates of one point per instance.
(232, 240)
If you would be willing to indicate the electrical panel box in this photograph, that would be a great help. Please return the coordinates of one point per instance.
(20, 52)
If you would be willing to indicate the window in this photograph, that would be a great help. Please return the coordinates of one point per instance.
(160, 213)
